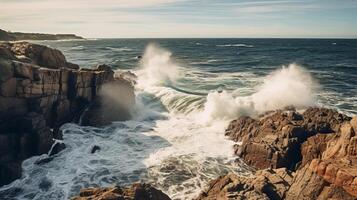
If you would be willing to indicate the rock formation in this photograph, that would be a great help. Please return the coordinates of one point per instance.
(39, 91)
(275, 140)
(266, 184)
(309, 156)
(11, 36)
(136, 191)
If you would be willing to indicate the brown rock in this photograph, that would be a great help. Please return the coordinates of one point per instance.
(307, 184)
(40, 55)
(136, 191)
(322, 141)
(314, 147)
(275, 140)
(266, 184)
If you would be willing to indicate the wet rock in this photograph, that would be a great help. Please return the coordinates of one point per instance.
(44, 160)
(95, 148)
(136, 191)
(275, 140)
(128, 76)
(327, 157)
(112, 104)
(56, 148)
(40, 91)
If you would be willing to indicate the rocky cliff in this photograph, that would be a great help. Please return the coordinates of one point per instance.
(312, 155)
(12, 36)
(39, 91)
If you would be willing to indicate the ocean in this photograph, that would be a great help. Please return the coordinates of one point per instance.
(188, 91)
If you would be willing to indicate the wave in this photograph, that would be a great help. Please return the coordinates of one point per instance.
(205, 62)
(288, 86)
(157, 68)
(174, 141)
(120, 49)
(77, 47)
(235, 45)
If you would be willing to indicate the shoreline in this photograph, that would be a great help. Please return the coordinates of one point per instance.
(271, 141)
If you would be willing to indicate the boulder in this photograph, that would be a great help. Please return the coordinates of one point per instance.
(325, 155)
(275, 140)
(137, 191)
(265, 184)
(307, 184)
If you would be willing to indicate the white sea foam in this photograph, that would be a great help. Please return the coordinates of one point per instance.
(288, 86)
(157, 67)
(78, 47)
(235, 45)
(119, 49)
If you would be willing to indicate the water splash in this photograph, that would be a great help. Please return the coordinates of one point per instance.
(157, 67)
(288, 86)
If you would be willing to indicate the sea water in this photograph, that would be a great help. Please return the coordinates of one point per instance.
(187, 92)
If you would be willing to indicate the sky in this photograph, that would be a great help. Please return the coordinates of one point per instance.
(183, 18)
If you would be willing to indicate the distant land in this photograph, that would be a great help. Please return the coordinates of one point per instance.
(11, 36)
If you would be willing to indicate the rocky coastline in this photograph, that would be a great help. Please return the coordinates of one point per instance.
(40, 91)
(294, 155)
(312, 155)
(309, 155)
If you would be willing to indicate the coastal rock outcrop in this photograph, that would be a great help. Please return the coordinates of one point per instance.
(136, 191)
(266, 184)
(316, 149)
(39, 91)
(275, 140)
(112, 102)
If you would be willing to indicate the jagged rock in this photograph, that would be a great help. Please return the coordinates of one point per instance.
(265, 184)
(314, 147)
(134, 192)
(275, 140)
(307, 184)
(39, 91)
(328, 157)
(323, 120)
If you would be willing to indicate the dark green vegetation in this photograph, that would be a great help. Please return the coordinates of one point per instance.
(11, 36)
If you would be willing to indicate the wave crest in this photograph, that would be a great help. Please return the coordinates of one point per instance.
(157, 67)
(288, 86)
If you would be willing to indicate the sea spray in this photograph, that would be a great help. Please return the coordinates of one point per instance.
(288, 86)
(157, 67)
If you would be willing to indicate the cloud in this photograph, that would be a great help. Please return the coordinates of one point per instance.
(178, 18)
